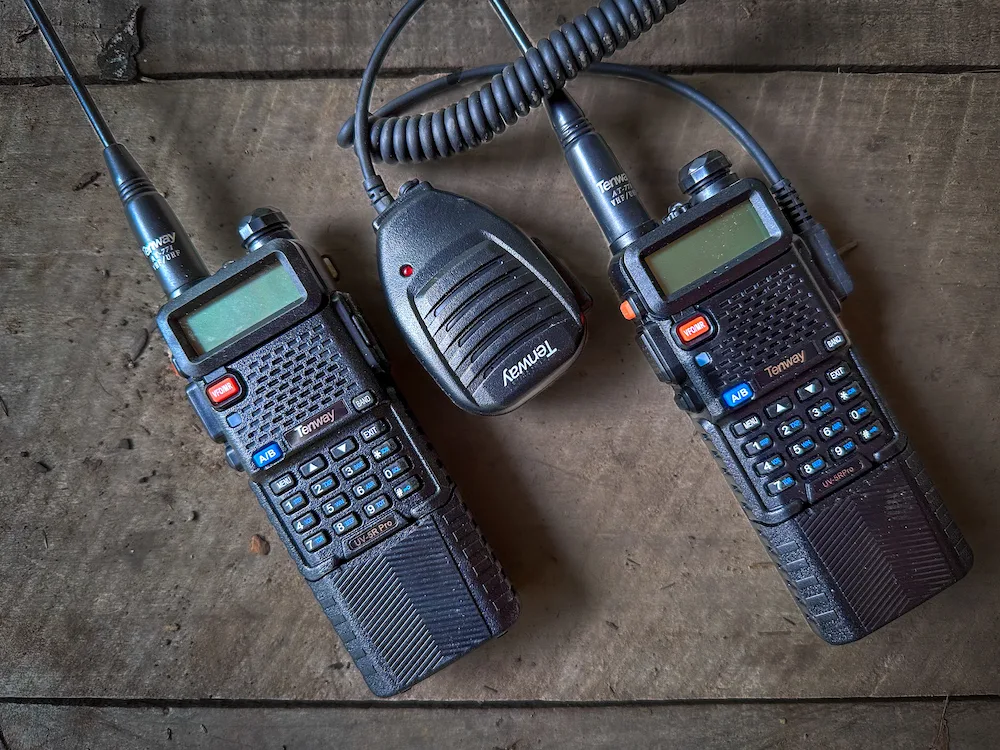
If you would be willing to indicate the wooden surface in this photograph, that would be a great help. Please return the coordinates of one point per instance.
(850, 725)
(124, 537)
(198, 37)
(640, 576)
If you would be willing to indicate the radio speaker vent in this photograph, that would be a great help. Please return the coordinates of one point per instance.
(482, 307)
(774, 311)
(288, 380)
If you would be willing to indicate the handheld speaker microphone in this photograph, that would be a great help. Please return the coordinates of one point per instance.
(487, 311)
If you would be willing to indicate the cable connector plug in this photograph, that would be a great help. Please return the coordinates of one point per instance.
(816, 238)
(378, 195)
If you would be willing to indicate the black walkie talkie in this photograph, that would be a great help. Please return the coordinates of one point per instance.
(736, 296)
(282, 368)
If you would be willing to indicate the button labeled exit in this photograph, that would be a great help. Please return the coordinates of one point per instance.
(694, 329)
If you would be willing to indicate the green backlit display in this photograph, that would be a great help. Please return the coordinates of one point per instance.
(711, 245)
(258, 298)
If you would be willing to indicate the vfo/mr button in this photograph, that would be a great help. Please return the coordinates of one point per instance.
(694, 329)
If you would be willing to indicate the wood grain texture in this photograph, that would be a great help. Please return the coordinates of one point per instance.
(199, 36)
(902, 725)
(640, 577)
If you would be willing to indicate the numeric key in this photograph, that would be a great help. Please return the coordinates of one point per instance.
(789, 428)
(761, 444)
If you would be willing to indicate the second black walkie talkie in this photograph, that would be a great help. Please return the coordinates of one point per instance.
(282, 368)
(736, 296)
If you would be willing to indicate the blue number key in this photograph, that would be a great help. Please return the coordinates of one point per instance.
(830, 431)
(812, 467)
(366, 488)
(345, 524)
(860, 412)
(769, 465)
(376, 506)
(802, 447)
(358, 466)
(323, 486)
(317, 541)
(821, 409)
(780, 484)
(789, 428)
(306, 522)
(842, 449)
(294, 503)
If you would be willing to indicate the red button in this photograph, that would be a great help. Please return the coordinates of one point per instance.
(223, 390)
(693, 329)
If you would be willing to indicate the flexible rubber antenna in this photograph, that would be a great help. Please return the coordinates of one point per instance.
(161, 237)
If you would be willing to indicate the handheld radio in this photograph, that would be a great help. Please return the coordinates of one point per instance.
(282, 369)
(736, 296)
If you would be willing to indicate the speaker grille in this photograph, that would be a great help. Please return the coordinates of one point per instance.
(482, 306)
(290, 379)
(774, 311)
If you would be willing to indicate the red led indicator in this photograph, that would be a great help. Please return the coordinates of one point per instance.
(406, 271)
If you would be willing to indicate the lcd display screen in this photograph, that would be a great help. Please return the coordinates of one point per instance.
(260, 297)
(708, 247)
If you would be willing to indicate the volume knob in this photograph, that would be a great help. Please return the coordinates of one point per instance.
(706, 176)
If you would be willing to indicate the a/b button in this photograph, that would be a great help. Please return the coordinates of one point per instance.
(737, 395)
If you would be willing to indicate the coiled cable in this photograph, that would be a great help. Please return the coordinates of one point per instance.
(389, 110)
(510, 95)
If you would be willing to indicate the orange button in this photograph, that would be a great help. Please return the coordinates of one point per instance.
(223, 390)
(693, 329)
(627, 312)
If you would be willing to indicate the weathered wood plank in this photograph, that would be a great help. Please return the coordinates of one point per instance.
(903, 725)
(640, 577)
(184, 37)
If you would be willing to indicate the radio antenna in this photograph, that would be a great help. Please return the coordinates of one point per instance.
(161, 237)
(619, 211)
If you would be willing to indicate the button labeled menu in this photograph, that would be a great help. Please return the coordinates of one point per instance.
(748, 425)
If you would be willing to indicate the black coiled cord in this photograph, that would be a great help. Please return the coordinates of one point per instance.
(520, 87)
